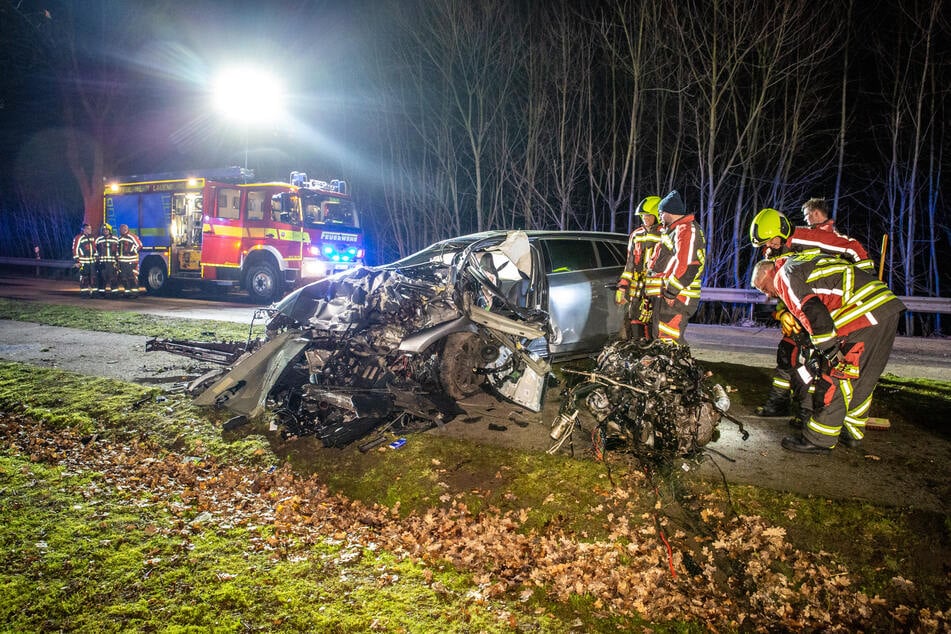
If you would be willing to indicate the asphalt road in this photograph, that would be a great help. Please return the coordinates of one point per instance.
(913, 357)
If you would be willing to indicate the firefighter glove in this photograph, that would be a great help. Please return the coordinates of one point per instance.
(789, 324)
(620, 295)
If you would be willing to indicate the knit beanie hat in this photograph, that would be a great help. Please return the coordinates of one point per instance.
(672, 204)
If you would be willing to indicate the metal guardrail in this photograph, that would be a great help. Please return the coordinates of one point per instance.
(55, 264)
(936, 305)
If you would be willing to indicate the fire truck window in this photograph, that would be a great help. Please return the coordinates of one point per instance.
(256, 205)
(338, 214)
(229, 203)
(312, 213)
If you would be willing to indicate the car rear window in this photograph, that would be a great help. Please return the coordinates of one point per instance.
(611, 253)
(570, 255)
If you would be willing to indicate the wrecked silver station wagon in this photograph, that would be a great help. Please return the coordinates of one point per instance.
(405, 341)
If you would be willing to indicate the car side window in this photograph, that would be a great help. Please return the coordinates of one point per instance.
(570, 255)
(611, 253)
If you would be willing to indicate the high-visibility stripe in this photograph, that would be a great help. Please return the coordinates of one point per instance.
(823, 271)
(225, 231)
(822, 338)
(842, 318)
(860, 412)
(856, 429)
(846, 386)
(256, 233)
(824, 430)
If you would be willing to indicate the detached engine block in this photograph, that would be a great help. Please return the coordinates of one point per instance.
(647, 396)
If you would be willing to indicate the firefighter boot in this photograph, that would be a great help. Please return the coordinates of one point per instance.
(801, 419)
(777, 403)
(845, 438)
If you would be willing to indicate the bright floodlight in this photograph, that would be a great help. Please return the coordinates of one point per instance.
(249, 95)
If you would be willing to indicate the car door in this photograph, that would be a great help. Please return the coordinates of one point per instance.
(581, 275)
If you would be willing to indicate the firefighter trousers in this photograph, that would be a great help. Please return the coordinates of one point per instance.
(633, 325)
(841, 402)
(107, 276)
(669, 322)
(787, 377)
(87, 277)
(128, 276)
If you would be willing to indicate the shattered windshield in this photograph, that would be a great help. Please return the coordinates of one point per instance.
(442, 253)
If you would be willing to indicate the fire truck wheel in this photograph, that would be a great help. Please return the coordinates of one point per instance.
(154, 277)
(460, 357)
(263, 283)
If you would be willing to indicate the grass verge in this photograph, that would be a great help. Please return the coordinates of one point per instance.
(142, 507)
(127, 322)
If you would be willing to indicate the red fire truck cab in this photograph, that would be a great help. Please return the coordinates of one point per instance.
(220, 227)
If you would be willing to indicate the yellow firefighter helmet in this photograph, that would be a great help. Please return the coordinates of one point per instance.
(768, 224)
(649, 206)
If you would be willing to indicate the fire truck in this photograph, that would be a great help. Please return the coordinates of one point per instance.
(221, 227)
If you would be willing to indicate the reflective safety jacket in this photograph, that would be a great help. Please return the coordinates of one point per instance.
(853, 298)
(129, 245)
(640, 250)
(107, 248)
(676, 268)
(827, 239)
(84, 249)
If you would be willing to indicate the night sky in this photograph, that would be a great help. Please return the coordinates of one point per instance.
(143, 71)
(160, 70)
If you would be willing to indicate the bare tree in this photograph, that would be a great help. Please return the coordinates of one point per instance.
(628, 37)
(94, 85)
(739, 55)
(910, 66)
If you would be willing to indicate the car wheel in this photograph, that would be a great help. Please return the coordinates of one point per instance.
(262, 283)
(461, 355)
(155, 277)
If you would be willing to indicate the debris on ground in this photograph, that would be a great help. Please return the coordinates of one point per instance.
(649, 397)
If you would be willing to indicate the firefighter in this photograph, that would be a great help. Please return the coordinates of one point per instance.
(772, 231)
(675, 270)
(107, 249)
(851, 318)
(128, 259)
(820, 233)
(631, 286)
(84, 253)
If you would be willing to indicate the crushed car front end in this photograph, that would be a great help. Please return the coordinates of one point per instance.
(402, 342)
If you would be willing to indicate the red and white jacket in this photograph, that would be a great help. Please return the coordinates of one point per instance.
(849, 298)
(827, 239)
(676, 269)
(129, 246)
(640, 250)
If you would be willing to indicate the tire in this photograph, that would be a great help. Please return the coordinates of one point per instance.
(154, 277)
(461, 355)
(262, 283)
